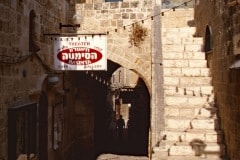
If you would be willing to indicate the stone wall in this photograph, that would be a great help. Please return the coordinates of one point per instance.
(222, 17)
(23, 69)
(117, 19)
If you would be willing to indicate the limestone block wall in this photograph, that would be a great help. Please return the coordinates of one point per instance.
(187, 86)
(116, 20)
(22, 71)
(179, 19)
(223, 19)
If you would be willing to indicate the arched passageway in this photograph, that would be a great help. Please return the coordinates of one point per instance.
(133, 106)
(96, 112)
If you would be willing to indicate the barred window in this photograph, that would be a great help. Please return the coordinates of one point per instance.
(22, 129)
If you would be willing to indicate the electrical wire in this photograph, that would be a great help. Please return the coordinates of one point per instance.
(6, 59)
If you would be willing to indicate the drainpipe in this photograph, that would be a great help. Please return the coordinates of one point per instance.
(157, 103)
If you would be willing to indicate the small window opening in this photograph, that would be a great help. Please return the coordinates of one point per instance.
(208, 46)
(33, 47)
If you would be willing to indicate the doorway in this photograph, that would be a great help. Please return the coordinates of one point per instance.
(97, 105)
(132, 103)
(22, 131)
(43, 127)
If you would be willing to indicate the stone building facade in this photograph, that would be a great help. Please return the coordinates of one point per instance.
(218, 22)
(28, 96)
(48, 114)
(40, 109)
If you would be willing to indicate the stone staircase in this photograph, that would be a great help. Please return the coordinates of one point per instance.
(192, 129)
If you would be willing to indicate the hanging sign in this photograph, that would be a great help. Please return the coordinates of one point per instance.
(83, 52)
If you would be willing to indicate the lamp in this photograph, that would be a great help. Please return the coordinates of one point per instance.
(77, 19)
(53, 79)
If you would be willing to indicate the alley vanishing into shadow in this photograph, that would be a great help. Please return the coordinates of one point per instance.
(135, 145)
(136, 132)
(97, 108)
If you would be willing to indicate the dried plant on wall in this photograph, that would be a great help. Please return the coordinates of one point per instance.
(138, 34)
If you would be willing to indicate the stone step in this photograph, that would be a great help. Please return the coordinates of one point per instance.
(179, 34)
(181, 122)
(184, 55)
(185, 71)
(194, 55)
(191, 111)
(193, 91)
(187, 81)
(180, 149)
(184, 63)
(160, 154)
(203, 157)
(196, 72)
(169, 39)
(189, 135)
(193, 40)
(178, 18)
(182, 101)
(185, 31)
(182, 48)
(179, 30)
(196, 147)
(179, 12)
(193, 47)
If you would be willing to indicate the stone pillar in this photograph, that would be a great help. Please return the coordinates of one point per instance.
(157, 105)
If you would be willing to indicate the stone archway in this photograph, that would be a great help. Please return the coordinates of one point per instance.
(131, 100)
(91, 95)
(135, 64)
(118, 20)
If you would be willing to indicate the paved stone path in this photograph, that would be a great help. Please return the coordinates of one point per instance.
(120, 157)
(126, 157)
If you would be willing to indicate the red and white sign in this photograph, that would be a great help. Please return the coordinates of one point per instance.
(84, 52)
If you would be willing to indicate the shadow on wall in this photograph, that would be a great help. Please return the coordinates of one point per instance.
(198, 146)
(191, 23)
(202, 149)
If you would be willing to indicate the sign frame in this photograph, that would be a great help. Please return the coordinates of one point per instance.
(80, 52)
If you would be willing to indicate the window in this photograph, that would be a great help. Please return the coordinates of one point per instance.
(33, 47)
(208, 46)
